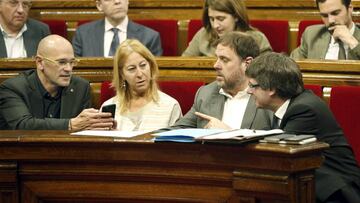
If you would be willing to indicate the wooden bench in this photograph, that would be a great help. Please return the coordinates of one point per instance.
(181, 10)
(97, 70)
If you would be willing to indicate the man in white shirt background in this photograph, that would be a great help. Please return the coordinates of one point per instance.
(19, 36)
(102, 37)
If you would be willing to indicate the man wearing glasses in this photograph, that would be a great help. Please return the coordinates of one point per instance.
(50, 97)
(225, 103)
(19, 36)
(276, 83)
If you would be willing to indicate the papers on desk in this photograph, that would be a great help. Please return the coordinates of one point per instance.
(110, 133)
(184, 135)
(213, 135)
(241, 134)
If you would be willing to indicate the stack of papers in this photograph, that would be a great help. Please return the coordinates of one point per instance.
(184, 135)
(213, 135)
(110, 133)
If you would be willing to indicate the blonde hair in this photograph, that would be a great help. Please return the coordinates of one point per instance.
(123, 91)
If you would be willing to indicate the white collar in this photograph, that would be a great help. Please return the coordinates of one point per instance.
(238, 95)
(282, 109)
(23, 29)
(122, 26)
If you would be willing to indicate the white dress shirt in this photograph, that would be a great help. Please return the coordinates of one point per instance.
(108, 35)
(282, 110)
(15, 47)
(234, 108)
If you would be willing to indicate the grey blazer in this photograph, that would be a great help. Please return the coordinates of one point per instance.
(36, 30)
(21, 103)
(210, 102)
(315, 43)
(89, 38)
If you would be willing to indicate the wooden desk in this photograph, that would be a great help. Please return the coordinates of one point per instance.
(52, 166)
(326, 73)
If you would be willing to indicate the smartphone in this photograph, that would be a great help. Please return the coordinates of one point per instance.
(277, 138)
(299, 137)
(109, 108)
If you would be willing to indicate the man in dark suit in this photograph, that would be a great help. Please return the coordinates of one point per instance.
(50, 97)
(225, 103)
(276, 83)
(97, 38)
(19, 36)
(337, 38)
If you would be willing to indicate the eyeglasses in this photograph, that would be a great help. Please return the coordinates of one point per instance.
(24, 4)
(253, 86)
(62, 62)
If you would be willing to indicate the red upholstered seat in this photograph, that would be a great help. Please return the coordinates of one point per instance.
(345, 104)
(168, 30)
(317, 89)
(183, 91)
(193, 26)
(57, 27)
(277, 32)
(106, 91)
(303, 25)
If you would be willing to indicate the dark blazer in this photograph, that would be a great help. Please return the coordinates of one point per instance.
(89, 38)
(21, 104)
(36, 30)
(315, 43)
(210, 102)
(308, 114)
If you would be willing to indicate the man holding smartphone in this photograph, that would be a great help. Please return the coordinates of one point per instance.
(337, 38)
(50, 97)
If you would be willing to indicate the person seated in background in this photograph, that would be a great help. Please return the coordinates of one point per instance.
(102, 37)
(337, 38)
(275, 81)
(225, 103)
(20, 35)
(219, 18)
(50, 97)
(140, 105)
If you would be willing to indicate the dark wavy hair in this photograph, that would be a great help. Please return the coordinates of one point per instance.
(275, 71)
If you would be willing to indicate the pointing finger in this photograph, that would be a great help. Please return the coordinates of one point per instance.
(204, 116)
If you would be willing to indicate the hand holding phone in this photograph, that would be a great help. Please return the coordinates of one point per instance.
(109, 108)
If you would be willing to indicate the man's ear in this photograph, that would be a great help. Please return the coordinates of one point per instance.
(248, 60)
(38, 63)
(350, 10)
(99, 5)
(272, 92)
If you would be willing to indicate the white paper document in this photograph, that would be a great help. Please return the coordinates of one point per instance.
(110, 133)
(184, 135)
(241, 134)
